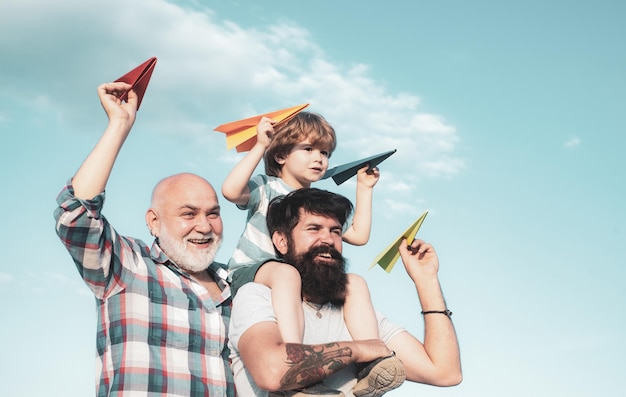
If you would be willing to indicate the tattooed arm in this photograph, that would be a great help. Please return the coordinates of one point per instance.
(275, 365)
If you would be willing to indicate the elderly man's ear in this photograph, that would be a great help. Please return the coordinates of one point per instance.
(152, 221)
(280, 242)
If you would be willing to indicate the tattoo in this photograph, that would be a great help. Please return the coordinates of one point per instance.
(311, 364)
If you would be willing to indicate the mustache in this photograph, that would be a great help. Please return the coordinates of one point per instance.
(208, 236)
(324, 249)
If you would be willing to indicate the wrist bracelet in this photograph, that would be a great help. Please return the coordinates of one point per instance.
(446, 312)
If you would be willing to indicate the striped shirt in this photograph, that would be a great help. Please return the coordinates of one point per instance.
(159, 332)
(255, 245)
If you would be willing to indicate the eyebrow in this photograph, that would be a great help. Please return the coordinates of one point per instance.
(317, 224)
(194, 208)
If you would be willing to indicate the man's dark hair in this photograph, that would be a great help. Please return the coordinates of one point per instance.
(283, 213)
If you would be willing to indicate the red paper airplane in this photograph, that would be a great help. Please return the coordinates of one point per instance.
(242, 133)
(139, 79)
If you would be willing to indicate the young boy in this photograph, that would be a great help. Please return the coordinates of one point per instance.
(295, 155)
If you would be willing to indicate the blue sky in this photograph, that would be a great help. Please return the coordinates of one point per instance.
(509, 122)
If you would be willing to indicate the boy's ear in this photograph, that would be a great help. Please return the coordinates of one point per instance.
(280, 242)
(153, 223)
(280, 159)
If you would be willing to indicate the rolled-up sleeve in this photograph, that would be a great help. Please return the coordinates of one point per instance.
(104, 259)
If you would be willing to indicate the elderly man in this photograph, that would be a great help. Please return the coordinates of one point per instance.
(306, 230)
(163, 311)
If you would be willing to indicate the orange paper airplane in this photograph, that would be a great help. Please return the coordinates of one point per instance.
(242, 134)
(139, 79)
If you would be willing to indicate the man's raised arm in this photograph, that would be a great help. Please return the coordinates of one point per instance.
(92, 176)
(436, 361)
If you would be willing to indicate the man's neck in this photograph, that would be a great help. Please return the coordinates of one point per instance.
(207, 281)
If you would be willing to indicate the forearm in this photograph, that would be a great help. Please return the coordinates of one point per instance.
(235, 186)
(308, 364)
(440, 340)
(92, 176)
(275, 365)
(290, 366)
(359, 231)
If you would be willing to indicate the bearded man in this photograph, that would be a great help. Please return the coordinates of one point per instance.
(163, 311)
(306, 231)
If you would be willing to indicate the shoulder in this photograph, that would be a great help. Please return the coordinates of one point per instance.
(253, 292)
(273, 185)
(251, 305)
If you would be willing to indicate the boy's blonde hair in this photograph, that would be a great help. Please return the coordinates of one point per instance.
(302, 126)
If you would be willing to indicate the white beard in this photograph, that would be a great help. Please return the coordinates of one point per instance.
(190, 261)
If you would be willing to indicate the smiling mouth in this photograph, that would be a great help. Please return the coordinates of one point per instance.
(200, 241)
(325, 258)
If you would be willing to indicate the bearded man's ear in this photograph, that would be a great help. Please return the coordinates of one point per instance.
(280, 242)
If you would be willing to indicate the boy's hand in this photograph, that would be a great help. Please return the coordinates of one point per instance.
(367, 177)
(265, 132)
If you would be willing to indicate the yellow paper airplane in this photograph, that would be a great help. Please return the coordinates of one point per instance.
(387, 259)
(242, 133)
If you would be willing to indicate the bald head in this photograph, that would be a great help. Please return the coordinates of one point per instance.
(178, 182)
(185, 217)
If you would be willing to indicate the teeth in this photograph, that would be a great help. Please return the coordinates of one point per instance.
(199, 241)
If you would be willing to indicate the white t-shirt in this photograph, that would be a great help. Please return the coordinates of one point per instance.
(253, 304)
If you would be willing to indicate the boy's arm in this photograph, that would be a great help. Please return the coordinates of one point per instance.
(235, 186)
(359, 232)
(92, 176)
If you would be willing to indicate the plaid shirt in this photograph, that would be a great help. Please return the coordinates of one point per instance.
(159, 331)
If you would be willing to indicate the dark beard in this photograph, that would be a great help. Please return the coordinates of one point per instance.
(321, 282)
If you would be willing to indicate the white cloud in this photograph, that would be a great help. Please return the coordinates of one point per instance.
(410, 210)
(572, 142)
(212, 71)
(6, 278)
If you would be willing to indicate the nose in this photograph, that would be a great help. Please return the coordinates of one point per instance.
(326, 237)
(317, 155)
(203, 225)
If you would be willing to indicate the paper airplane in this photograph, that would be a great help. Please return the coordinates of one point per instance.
(242, 133)
(139, 79)
(388, 258)
(342, 173)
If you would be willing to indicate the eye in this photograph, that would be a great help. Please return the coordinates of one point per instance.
(325, 153)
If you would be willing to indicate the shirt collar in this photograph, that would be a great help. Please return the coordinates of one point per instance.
(216, 270)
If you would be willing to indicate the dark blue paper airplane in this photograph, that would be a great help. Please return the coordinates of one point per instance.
(342, 173)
